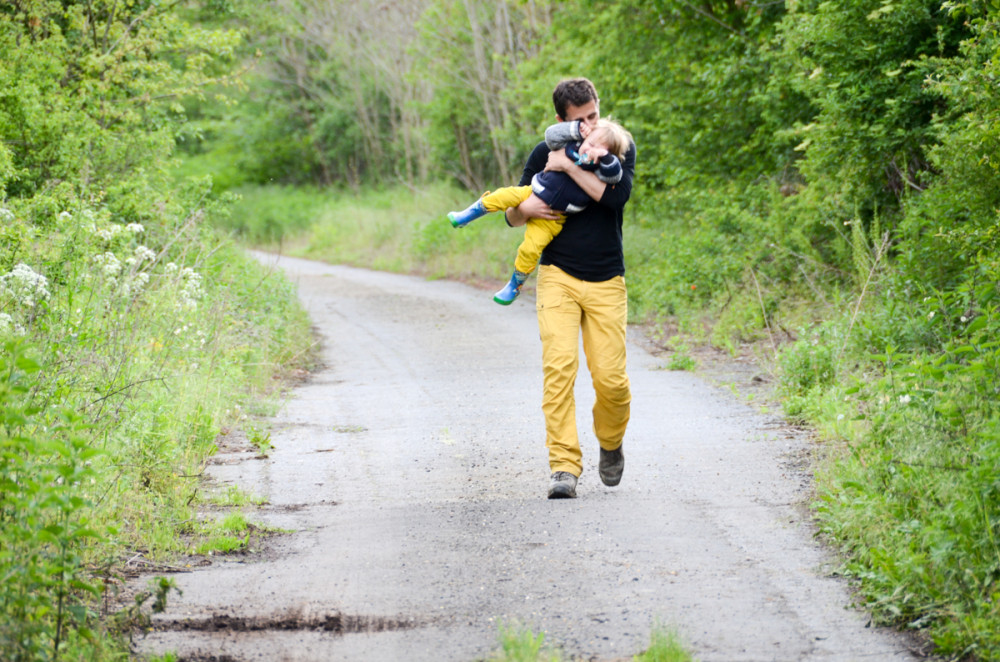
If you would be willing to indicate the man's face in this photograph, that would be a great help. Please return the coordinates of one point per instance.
(588, 113)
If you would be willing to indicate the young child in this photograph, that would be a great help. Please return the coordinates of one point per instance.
(599, 149)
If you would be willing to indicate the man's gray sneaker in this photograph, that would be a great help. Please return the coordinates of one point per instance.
(611, 466)
(562, 485)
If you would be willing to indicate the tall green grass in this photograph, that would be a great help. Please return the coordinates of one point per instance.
(127, 348)
(397, 229)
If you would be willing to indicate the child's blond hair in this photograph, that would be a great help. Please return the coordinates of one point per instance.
(616, 138)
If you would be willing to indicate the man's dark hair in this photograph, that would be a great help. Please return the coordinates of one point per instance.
(572, 92)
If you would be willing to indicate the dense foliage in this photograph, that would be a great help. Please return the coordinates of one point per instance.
(128, 329)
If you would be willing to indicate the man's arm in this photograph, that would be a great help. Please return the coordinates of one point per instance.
(585, 179)
(533, 206)
(610, 196)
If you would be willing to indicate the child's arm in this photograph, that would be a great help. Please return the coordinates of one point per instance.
(559, 135)
(607, 168)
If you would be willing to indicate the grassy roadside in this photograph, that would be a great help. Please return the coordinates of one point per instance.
(127, 348)
(396, 230)
(901, 387)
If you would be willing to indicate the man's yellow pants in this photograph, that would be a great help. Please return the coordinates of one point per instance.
(566, 307)
(538, 232)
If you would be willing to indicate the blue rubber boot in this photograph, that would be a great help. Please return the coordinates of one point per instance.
(506, 296)
(459, 219)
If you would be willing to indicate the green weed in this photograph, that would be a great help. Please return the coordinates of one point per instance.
(665, 646)
(520, 644)
(260, 440)
(681, 359)
(234, 496)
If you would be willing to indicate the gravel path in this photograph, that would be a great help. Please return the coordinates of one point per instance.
(412, 469)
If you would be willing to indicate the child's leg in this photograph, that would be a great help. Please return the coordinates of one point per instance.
(538, 232)
(499, 200)
(506, 197)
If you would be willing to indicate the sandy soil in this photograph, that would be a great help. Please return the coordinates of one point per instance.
(412, 470)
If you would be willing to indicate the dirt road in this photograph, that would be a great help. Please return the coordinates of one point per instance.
(413, 471)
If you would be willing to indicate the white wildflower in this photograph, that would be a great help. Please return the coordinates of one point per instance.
(110, 266)
(136, 285)
(131, 262)
(6, 214)
(135, 228)
(964, 319)
(9, 327)
(65, 216)
(904, 399)
(24, 286)
(191, 289)
(170, 268)
(930, 315)
(108, 233)
(144, 254)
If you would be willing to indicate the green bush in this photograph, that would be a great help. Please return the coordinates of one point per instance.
(47, 486)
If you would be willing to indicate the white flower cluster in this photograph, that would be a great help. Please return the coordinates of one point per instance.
(6, 215)
(8, 326)
(132, 281)
(140, 255)
(190, 289)
(111, 231)
(136, 285)
(110, 266)
(106, 233)
(24, 286)
(143, 254)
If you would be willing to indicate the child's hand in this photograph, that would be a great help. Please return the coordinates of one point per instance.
(584, 129)
(592, 155)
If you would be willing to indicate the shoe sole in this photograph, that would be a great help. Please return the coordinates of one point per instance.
(562, 493)
(611, 481)
(502, 302)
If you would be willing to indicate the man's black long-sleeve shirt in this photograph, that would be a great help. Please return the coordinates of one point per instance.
(590, 244)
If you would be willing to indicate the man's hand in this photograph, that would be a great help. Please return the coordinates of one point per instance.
(559, 162)
(532, 207)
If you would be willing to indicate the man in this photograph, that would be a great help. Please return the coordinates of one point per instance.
(581, 289)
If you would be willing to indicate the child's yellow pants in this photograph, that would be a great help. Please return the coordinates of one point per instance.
(538, 232)
(566, 307)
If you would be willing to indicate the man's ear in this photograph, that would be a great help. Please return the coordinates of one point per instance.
(559, 119)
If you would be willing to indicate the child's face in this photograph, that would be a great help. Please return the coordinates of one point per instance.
(595, 142)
